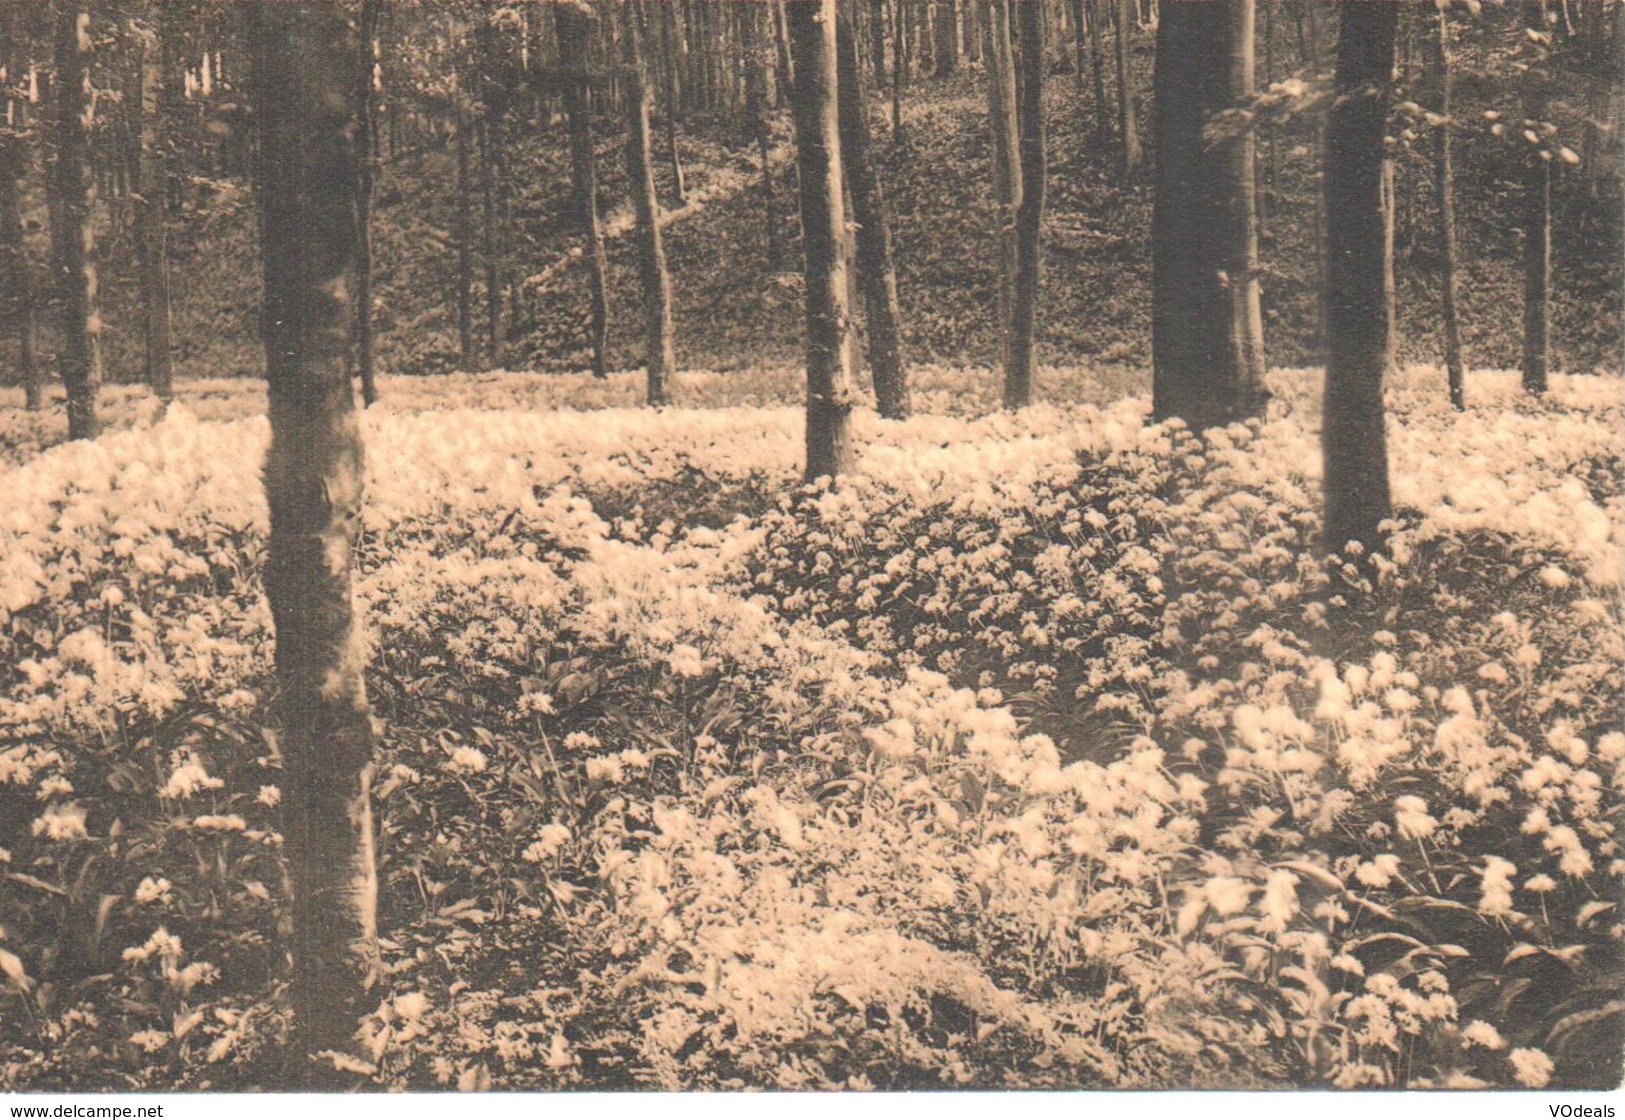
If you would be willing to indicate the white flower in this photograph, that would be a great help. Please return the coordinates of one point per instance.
(1227, 895)
(1532, 1067)
(1412, 818)
(1496, 887)
(1480, 1033)
(467, 760)
(225, 822)
(1280, 901)
(62, 822)
(411, 1005)
(270, 796)
(152, 890)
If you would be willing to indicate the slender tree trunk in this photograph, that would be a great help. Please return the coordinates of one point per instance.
(946, 34)
(1537, 223)
(366, 170)
(756, 74)
(1390, 286)
(1454, 363)
(899, 72)
(1238, 157)
(488, 242)
(1127, 128)
(150, 233)
(875, 269)
(1353, 427)
(876, 20)
(304, 66)
(786, 76)
(1097, 68)
(14, 269)
(660, 354)
(1007, 184)
(74, 187)
(830, 392)
(575, 33)
(465, 239)
(671, 42)
(1018, 375)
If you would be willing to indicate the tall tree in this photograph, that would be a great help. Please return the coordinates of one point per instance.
(1444, 178)
(1091, 11)
(874, 255)
(671, 39)
(1537, 218)
(945, 32)
(1206, 321)
(151, 234)
(575, 20)
(1018, 375)
(15, 274)
(1002, 113)
(73, 187)
(465, 234)
(830, 392)
(304, 66)
(1357, 328)
(1127, 126)
(366, 170)
(756, 76)
(659, 348)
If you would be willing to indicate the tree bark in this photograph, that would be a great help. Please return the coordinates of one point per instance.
(151, 236)
(74, 188)
(876, 20)
(1537, 221)
(1454, 362)
(830, 392)
(465, 238)
(1353, 428)
(15, 273)
(899, 71)
(659, 347)
(367, 162)
(946, 34)
(1128, 129)
(1018, 375)
(1097, 67)
(756, 75)
(1002, 114)
(786, 76)
(575, 35)
(304, 66)
(488, 242)
(874, 254)
(671, 42)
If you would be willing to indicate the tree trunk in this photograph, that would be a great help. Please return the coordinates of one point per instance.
(946, 34)
(15, 274)
(151, 239)
(1001, 104)
(1537, 222)
(74, 188)
(1454, 363)
(756, 74)
(304, 62)
(875, 268)
(1097, 68)
(671, 43)
(785, 79)
(1126, 126)
(465, 239)
(488, 242)
(367, 161)
(823, 221)
(876, 20)
(1245, 321)
(660, 354)
(1018, 375)
(1353, 427)
(899, 72)
(575, 35)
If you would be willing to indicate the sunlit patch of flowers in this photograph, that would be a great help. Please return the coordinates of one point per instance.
(1045, 751)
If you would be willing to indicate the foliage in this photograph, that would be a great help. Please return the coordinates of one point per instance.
(1041, 753)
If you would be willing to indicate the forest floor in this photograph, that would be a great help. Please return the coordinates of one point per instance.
(1043, 752)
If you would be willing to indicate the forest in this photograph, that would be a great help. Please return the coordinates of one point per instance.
(811, 544)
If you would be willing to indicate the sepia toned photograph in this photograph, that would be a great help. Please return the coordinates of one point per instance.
(811, 545)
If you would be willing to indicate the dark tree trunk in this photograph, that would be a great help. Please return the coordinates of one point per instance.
(899, 69)
(659, 348)
(304, 67)
(368, 158)
(1097, 67)
(671, 42)
(946, 34)
(786, 75)
(151, 236)
(1018, 375)
(830, 392)
(488, 242)
(875, 269)
(756, 74)
(465, 239)
(1357, 329)
(74, 205)
(15, 273)
(1454, 362)
(1207, 326)
(1537, 221)
(575, 36)
(1002, 115)
(876, 20)
(1128, 129)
